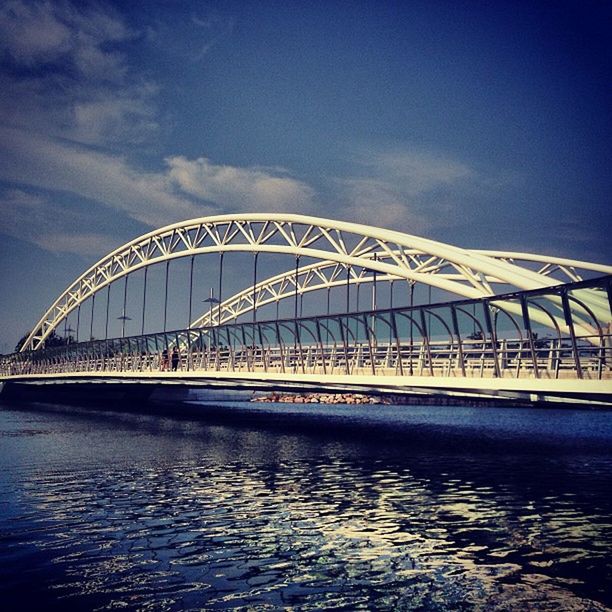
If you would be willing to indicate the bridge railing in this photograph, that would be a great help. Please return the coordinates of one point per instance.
(561, 332)
(509, 359)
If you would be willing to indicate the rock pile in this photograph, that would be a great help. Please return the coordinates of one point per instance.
(362, 398)
(320, 398)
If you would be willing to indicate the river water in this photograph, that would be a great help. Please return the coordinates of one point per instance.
(251, 506)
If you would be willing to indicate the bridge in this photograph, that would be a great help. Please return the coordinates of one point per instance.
(303, 303)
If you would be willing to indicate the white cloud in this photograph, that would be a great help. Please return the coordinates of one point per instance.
(415, 171)
(379, 203)
(216, 29)
(81, 98)
(404, 192)
(49, 164)
(32, 33)
(88, 244)
(65, 76)
(42, 222)
(76, 98)
(185, 189)
(67, 95)
(240, 189)
(37, 33)
(409, 190)
(124, 117)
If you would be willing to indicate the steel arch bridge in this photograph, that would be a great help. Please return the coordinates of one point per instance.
(527, 291)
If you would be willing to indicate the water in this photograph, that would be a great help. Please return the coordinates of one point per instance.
(272, 507)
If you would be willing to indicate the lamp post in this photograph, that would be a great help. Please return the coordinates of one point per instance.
(212, 300)
(123, 318)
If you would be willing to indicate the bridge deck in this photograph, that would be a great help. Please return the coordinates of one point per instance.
(385, 370)
(488, 346)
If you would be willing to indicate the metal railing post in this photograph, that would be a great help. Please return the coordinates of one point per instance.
(93, 303)
(567, 313)
(426, 340)
(144, 299)
(492, 336)
(166, 295)
(458, 335)
(527, 325)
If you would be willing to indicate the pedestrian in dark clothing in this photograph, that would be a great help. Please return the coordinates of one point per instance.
(164, 361)
(176, 358)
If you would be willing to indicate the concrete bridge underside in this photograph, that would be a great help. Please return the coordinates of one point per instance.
(140, 386)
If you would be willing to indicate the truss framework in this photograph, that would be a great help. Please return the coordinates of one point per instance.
(328, 274)
(338, 243)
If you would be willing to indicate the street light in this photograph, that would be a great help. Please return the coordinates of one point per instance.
(212, 300)
(123, 318)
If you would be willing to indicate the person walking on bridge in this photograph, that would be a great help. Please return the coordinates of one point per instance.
(176, 358)
(164, 360)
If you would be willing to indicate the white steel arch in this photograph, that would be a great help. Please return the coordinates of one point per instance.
(571, 270)
(328, 274)
(409, 257)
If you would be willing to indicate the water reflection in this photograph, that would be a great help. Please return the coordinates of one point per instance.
(113, 511)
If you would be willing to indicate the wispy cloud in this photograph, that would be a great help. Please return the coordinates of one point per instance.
(240, 189)
(405, 188)
(72, 107)
(215, 28)
(184, 189)
(41, 221)
(377, 202)
(64, 85)
(64, 74)
(45, 163)
(70, 102)
(45, 33)
(415, 171)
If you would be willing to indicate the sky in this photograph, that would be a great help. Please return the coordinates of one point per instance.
(480, 124)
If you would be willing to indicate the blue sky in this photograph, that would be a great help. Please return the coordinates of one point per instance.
(482, 124)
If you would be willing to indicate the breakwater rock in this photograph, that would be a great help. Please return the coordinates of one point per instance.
(388, 400)
(322, 398)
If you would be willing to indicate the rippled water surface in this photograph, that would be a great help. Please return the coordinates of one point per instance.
(271, 507)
